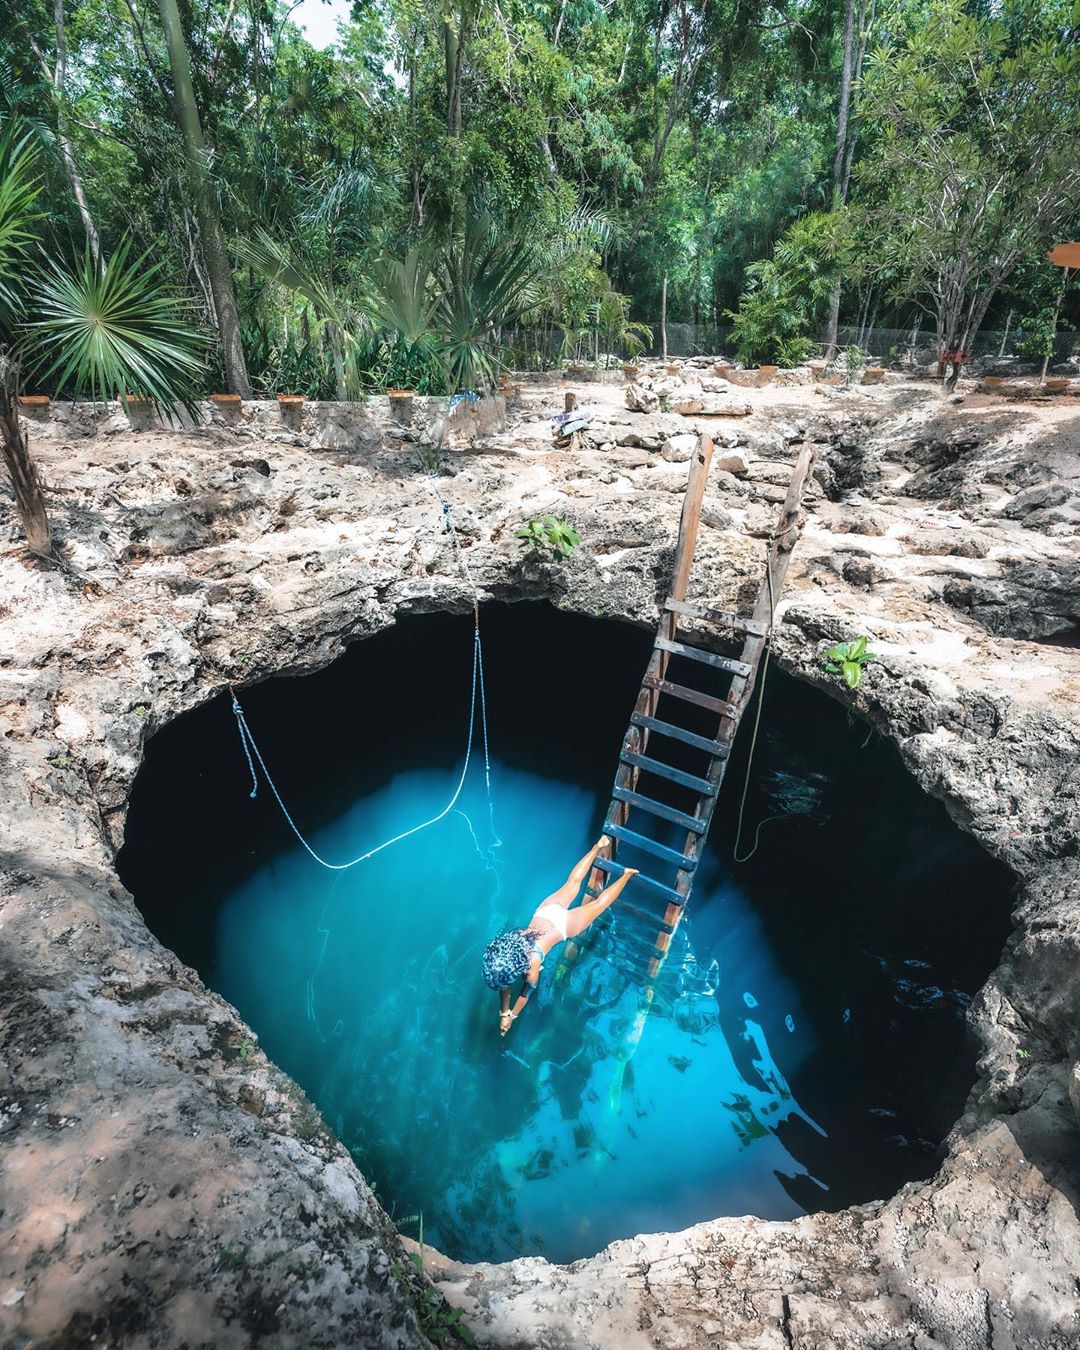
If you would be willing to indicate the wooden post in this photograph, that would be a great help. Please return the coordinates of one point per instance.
(691, 517)
(788, 528)
(663, 319)
(571, 401)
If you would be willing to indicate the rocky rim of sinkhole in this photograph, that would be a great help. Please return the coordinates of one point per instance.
(166, 1184)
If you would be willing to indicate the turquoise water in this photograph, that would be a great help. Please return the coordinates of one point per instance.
(582, 1125)
(803, 1048)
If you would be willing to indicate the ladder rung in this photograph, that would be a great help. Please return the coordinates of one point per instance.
(686, 780)
(622, 794)
(719, 749)
(614, 869)
(716, 705)
(707, 658)
(642, 841)
(634, 938)
(653, 920)
(756, 627)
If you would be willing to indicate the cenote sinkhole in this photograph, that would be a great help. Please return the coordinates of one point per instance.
(805, 1046)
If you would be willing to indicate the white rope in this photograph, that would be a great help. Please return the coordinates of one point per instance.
(254, 755)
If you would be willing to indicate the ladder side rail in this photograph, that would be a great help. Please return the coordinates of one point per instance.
(742, 686)
(788, 529)
(637, 738)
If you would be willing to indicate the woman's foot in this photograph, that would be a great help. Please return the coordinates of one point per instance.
(603, 842)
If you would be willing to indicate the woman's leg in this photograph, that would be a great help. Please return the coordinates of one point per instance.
(567, 892)
(579, 919)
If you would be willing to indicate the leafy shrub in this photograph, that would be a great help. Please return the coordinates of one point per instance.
(785, 295)
(1037, 335)
(795, 351)
(547, 539)
(854, 363)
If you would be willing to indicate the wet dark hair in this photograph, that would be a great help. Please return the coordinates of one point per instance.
(507, 957)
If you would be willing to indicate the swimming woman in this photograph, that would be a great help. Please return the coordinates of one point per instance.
(520, 952)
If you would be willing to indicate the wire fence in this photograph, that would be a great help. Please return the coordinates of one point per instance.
(886, 344)
(540, 349)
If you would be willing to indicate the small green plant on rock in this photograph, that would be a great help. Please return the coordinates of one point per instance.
(848, 659)
(429, 458)
(547, 539)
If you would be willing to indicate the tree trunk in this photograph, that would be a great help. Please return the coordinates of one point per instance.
(663, 319)
(1053, 326)
(1005, 335)
(63, 138)
(558, 26)
(29, 499)
(414, 172)
(841, 170)
(215, 254)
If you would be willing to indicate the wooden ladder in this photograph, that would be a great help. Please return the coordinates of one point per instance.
(654, 738)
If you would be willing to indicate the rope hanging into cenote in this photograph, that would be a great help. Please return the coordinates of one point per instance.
(757, 722)
(254, 756)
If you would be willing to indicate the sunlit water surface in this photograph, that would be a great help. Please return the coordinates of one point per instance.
(802, 1048)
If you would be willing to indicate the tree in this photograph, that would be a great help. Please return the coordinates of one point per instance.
(108, 328)
(854, 52)
(214, 251)
(20, 189)
(56, 79)
(974, 164)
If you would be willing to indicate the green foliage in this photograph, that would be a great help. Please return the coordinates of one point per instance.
(486, 282)
(427, 320)
(848, 659)
(114, 329)
(971, 169)
(795, 351)
(617, 146)
(785, 295)
(20, 188)
(1036, 335)
(854, 364)
(430, 460)
(547, 539)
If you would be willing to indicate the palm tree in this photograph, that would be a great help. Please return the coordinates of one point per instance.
(442, 305)
(104, 327)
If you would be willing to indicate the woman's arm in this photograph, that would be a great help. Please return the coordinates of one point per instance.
(528, 984)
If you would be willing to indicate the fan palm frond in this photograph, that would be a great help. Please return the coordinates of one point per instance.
(279, 263)
(399, 294)
(114, 329)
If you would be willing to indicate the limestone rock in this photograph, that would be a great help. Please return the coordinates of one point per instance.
(211, 1204)
(642, 399)
(680, 448)
(731, 461)
(719, 405)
